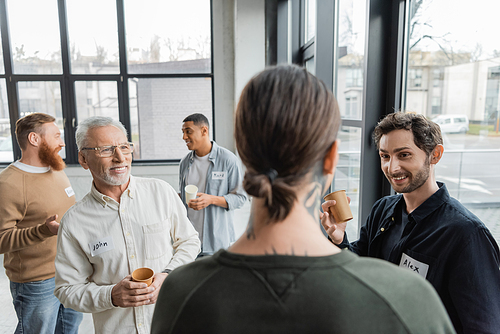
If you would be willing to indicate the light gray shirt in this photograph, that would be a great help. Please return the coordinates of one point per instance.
(224, 178)
(198, 176)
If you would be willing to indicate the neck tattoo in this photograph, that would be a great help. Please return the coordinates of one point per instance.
(312, 201)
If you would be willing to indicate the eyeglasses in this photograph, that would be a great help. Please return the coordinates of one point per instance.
(109, 151)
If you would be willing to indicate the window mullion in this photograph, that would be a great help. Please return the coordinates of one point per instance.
(123, 96)
(67, 91)
(10, 84)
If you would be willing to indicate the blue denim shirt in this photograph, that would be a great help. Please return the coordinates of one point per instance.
(218, 228)
(461, 253)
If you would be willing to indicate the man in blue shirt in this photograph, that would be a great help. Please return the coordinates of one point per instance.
(216, 172)
(425, 230)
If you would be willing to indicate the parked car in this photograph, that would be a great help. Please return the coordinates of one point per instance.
(452, 123)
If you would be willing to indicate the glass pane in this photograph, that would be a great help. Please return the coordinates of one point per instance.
(42, 96)
(96, 98)
(168, 36)
(347, 173)
(310, 20)
(157, 108)
(93, 36)
(453, 78)
(6, 151)
(35, 38)
(351, 57)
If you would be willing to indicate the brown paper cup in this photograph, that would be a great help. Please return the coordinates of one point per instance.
(340, 211)
(143, 275)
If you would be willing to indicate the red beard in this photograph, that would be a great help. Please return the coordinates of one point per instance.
(51, 157)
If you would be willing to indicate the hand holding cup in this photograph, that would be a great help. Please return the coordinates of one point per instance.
(336, 214)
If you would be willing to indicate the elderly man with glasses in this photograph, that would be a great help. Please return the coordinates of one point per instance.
(122, 224)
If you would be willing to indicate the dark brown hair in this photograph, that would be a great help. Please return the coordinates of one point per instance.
(285, 122)
(426, 133)
(30, 123)
(197, 119)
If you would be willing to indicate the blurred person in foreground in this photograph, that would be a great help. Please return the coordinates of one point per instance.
(122, 224)
(425, 230)
(283, 275)
(217, 174)
(34, 194)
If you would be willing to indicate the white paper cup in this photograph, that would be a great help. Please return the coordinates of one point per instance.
(191, 191)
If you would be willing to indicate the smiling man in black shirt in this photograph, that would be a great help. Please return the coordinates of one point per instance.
(425, 230)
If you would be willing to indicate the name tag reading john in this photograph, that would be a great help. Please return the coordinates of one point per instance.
(416, 266)
(218, 175)
(100, 246)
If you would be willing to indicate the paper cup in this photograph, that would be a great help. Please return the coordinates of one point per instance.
(191, 191)
(143, 275)
(340, 211)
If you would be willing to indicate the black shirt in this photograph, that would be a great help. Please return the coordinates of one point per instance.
(462, 256)
(394, 234)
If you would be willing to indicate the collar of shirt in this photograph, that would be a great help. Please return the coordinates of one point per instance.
(29, 168)
(212, 156)
(427, 207)
(105, 200)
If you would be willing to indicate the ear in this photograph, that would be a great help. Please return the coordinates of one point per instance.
(331, 158)
(34, 139)
(83, 160)
(437, 154)
(204, 130)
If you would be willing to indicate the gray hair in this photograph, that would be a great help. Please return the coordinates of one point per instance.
(92, 123)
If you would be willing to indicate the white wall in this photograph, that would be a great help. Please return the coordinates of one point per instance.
(249, 41)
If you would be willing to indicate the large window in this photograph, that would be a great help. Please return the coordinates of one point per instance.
(416, 55)
(453, 78)
(332, 46)
(145, 63)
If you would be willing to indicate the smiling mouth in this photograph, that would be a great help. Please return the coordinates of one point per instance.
(118, 169)
(399, 178)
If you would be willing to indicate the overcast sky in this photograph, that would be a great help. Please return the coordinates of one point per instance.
(34, 23)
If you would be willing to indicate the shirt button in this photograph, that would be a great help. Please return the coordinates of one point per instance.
(132, 256)
(392, 218)
(140, 325)
(128, 234)
(382, 229)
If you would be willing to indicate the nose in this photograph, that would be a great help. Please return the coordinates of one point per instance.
(118, 155)
(184, 136)
(394, 166)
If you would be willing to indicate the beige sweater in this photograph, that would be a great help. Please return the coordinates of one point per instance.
(26, 201)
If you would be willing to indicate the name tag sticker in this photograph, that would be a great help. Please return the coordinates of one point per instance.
(218, 175)
(100, 246)
(416, 266)
(69, 191)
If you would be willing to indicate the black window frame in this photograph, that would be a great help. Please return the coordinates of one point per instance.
(67, 82)
(384, 71)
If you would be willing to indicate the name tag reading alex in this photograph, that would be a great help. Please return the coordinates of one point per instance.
(100, 246)
(414, 265)
(218, 175)
(69, 191)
